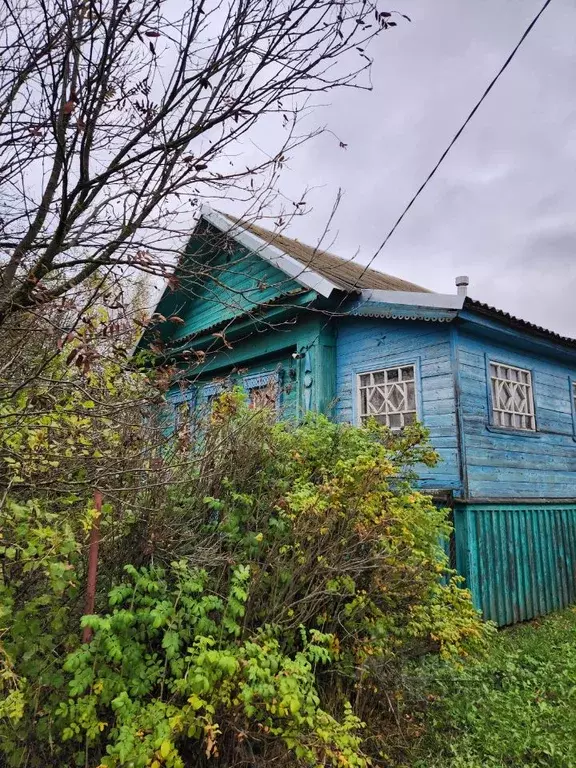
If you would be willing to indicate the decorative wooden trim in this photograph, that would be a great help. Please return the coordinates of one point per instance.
(212, 389)
(187, 396)
(290, 266)
(383, 364)
(256, 380)
(491, 426)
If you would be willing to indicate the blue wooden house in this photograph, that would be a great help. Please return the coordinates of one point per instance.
(302, 329)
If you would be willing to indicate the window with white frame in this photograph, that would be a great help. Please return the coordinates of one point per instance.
(512, 397)
(388, 395)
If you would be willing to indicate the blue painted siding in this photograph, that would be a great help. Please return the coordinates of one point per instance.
(205, 386)
(503, 464)
(369, 344)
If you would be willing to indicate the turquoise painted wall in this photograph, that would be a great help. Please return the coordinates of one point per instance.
(503, 464)
(237, 282)
(283, 365)
(303, 351)
(368, 344)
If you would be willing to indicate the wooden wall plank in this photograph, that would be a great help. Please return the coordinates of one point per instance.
(368, 343)
(514, 465)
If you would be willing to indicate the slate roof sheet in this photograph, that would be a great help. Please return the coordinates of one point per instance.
(346, 274)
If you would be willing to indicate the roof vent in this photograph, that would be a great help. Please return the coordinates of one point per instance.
(462, 282)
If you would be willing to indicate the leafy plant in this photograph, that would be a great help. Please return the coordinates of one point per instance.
(512, 708)
(279, 584)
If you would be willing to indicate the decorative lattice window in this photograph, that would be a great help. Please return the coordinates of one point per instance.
(209, 393)
(263, 390)
(389, 396)
(183, 403)
(512, 398)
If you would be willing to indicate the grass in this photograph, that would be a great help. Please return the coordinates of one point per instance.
(516, 707)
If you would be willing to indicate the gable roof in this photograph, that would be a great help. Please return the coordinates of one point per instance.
(345, 274)
(373, 293)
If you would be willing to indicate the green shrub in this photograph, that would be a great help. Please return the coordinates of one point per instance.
(278, 585)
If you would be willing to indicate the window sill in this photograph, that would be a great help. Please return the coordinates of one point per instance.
(516, 432)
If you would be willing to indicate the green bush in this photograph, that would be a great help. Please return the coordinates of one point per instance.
(278, 585)
(514, 708)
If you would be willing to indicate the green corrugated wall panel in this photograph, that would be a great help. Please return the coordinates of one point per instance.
(519, 560)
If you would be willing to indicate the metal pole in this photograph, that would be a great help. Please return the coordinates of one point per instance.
(92, 565)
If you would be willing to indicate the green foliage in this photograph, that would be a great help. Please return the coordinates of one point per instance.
(514, 708)
(69, 425)
(169, 658)
(38, 590)
(279, 583)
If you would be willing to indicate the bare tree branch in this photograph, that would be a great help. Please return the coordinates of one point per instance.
(118, 117)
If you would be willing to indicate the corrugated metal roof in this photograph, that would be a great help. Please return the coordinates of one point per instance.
(525, 325)
(345, 274)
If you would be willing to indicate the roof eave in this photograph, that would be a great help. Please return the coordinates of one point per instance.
(287, 264)
(475, 310)
(414, 299)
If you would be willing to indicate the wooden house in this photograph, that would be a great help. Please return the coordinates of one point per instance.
(305, 330)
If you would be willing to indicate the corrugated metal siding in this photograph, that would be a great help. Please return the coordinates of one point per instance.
(519, 560)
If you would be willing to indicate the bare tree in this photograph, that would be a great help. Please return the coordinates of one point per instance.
(117, 117)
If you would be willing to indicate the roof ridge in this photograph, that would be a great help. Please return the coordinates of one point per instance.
(346, 274)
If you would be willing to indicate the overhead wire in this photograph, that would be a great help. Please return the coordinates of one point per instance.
(443, 156)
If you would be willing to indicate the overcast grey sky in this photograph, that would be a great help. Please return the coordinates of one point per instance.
(502, 207)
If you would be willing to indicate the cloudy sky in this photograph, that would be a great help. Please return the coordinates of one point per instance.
(502, 208)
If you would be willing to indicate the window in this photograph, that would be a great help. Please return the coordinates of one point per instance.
(512, 398)
(263, 390)
(183, 402)
(209, 393)
(264, 397)
(389, 396)
(573, 396)
(182, 415)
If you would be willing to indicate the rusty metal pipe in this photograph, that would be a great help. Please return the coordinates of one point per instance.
(92, 565)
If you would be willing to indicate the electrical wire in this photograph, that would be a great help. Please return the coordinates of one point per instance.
(461, 129)
(443, 156)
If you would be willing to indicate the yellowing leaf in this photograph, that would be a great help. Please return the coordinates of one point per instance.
(195, 702)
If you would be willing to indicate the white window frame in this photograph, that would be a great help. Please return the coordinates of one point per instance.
(506, 380)
(388, 380)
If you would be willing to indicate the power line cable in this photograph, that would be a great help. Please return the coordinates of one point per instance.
(461, 129)
(457, 135)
